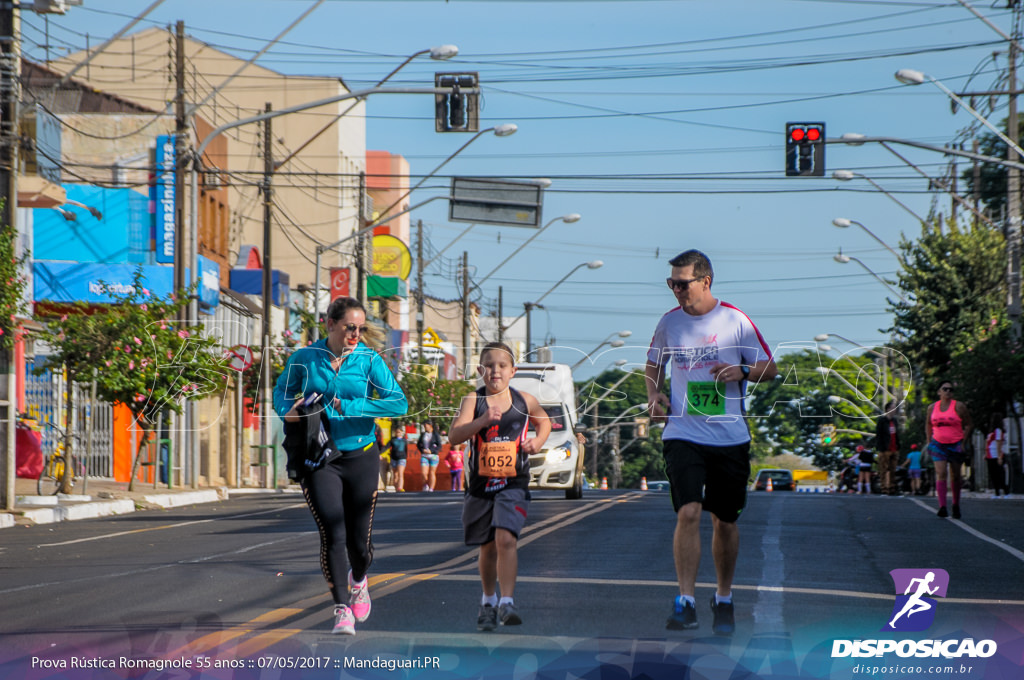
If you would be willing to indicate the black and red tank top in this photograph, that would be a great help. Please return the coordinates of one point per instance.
(507, 437)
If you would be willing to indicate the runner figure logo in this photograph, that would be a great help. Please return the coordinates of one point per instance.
(914, 609)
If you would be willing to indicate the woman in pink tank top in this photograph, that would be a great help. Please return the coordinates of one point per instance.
(947, 427)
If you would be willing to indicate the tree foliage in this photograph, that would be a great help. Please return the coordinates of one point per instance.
(12, 285)
(138, 354)
(955, 282)
(991, 188)
(433, 399)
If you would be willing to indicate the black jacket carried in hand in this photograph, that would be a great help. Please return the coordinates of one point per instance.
(308, 443)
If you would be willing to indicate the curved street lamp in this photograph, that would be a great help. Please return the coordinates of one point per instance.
(844, 223)
(606, 341)
(844, 259)
(909, 76)
(530, 306)
(847, 175)
(568, 219)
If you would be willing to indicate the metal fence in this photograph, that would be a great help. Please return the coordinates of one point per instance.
(93, 431)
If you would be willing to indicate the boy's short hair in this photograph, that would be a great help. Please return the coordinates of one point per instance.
(498, 346)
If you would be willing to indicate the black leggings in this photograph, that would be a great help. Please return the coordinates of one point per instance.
(997, 476)
(342, 495)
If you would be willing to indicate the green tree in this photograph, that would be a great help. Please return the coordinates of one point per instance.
(955, 284)
(12, 286)
(138, 354)
(434, 399)
(991, 189)
(785, 415)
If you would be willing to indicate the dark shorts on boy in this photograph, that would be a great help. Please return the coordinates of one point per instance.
(714, 476)
(505, 510)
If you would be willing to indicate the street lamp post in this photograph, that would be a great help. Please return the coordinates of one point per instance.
(568, 219)
(834, 399)
(847, 175)
(844, 223)
(884, 390)
(529, 306)
(826, 370)
(499, 131)
(844, 259)
(618, 363)
(606, 341)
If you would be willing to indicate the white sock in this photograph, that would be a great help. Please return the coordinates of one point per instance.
(687, 598)
(505, 600)
(719, 599)
(490, 599)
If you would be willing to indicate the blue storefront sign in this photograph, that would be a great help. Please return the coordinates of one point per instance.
(209, 283)
(95, 283)
(162, 196)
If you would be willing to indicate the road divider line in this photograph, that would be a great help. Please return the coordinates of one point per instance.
(168, 526)
(974, 532)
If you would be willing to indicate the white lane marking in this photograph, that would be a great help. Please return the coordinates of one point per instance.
(169, 526)
(768, 607)
(147, 570)
(974, 532)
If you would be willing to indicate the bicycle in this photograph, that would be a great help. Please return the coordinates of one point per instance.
(54, 463)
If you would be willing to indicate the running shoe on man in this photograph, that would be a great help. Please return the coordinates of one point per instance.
(509, 615)
(344, 621)
(487, 618)
(359, 598)
(724, 623)
(683, 616)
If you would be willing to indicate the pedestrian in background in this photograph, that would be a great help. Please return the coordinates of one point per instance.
(914, 469)
(342, 491)
(947, 427)
(712, 350)
(384, 447)
(496, 420)
(455, 461)
(995, 457)
(430, 446)
(399, 453)
(866, 460)
(887, 444)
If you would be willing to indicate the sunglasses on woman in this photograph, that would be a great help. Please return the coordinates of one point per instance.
(352, 328)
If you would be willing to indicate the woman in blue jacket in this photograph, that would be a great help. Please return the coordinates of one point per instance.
(355, 387)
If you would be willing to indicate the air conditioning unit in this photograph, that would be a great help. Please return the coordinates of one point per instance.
(53, 6)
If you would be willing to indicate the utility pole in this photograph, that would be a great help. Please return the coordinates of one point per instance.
(180, 150)
(419, 290)
(361, 245)
(182, 439)
(501, 327)
(265, 362)
(10, 96)
(1013, 232)
(466, 350)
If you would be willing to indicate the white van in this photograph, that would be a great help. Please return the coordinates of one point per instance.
(560, 464)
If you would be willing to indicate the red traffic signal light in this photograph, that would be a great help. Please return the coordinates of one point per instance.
(805, 149)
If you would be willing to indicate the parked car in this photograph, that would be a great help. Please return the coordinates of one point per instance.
(658, 485)
(782, 480)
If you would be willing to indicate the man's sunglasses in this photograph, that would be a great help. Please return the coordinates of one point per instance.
(681, 284)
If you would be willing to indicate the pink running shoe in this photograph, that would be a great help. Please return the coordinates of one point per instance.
(344, 622)
(359, 598)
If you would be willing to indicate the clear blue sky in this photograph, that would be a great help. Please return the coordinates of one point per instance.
(661, 123)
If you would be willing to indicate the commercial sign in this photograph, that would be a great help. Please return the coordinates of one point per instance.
(391, 257)
(341, 279)
(209, 284)
(162, 196)
(95, 283)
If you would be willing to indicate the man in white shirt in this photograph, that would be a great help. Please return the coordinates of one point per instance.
(712, 350)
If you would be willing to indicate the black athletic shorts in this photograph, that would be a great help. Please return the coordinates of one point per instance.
(715, 476)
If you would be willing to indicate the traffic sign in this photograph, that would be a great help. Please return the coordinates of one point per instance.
(241, 357)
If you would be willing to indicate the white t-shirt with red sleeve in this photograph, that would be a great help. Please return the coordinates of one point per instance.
(703, 411)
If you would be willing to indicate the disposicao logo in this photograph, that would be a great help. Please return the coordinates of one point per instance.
(915, 611)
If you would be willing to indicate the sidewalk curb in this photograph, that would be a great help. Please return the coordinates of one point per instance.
(44, 512)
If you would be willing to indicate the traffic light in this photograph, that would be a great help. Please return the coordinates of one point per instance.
(457, 111)
(827, 434)
(805, 149)
(642, 427)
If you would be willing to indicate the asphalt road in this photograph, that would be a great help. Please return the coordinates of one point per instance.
(238, 583)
